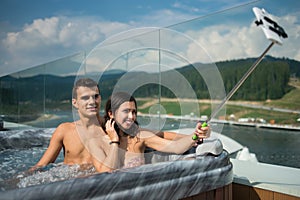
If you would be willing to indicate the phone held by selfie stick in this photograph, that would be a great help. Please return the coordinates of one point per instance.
(273, 32)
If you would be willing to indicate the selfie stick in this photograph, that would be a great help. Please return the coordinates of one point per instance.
(237, 86)
(273, 32)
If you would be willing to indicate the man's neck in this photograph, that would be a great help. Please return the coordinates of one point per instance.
(87, 122)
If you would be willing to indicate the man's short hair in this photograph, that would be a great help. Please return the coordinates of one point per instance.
(83, 82)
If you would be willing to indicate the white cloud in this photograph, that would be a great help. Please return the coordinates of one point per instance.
(225, 42)
(290, 47)
(51, 38)
(163, 18)
(186, 7)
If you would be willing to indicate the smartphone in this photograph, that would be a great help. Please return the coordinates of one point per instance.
(115, 126)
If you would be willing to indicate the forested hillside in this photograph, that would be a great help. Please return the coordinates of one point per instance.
(268, 81)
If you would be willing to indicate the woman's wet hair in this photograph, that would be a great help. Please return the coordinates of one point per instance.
(113, 104)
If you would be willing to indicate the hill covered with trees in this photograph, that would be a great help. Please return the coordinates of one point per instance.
(268, 81)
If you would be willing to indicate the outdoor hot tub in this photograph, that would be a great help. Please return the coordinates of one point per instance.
(185, 177)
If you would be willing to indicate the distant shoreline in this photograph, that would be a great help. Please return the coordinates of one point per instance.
(235, 123)
(11, 126)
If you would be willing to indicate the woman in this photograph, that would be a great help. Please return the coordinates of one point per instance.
(120, 121)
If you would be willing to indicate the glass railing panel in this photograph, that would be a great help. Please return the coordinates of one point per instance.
(128, 62)
(39, 96)
(9, 98)
(31, 90)
(233, 42)
(177, 73)
(60, 76)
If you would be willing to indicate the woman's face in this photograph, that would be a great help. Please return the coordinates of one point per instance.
(125, 115)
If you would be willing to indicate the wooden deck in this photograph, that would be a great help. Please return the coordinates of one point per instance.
(237, 191)
(223, 193)
(245, 192)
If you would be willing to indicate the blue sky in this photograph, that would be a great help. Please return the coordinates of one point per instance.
(34, 31)
(18, 12)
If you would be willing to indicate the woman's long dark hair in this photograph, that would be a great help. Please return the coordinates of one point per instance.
(113, 103)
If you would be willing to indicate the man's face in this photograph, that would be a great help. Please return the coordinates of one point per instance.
(125, 115)
(88, 101)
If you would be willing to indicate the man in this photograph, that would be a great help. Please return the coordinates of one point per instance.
(82, 138)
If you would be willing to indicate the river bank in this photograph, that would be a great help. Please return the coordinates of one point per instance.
(229, 122)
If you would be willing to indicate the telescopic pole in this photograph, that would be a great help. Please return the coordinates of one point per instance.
(237, 86)
(273, 32)
(234, 89)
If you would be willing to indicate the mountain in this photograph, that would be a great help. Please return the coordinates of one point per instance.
(268, 81)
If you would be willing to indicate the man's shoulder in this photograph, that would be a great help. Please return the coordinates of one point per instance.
(66, 125)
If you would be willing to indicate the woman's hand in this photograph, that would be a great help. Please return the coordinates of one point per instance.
(110, 130)
(201, 132)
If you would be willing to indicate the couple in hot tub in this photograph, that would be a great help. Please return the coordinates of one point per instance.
(114, 141)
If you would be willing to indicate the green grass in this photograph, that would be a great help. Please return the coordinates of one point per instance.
(289, 101)
(278, 117)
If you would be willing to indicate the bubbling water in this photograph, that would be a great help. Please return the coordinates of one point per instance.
(53, 173)
(21, 149)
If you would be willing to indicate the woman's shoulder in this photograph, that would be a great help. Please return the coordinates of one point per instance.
(146, 133)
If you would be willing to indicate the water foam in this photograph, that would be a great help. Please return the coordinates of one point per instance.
(53, 173)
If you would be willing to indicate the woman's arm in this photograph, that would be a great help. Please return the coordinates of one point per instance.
(168, 146)
(106, 160)
(175, 136)
(179, 146)
(170, 135)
